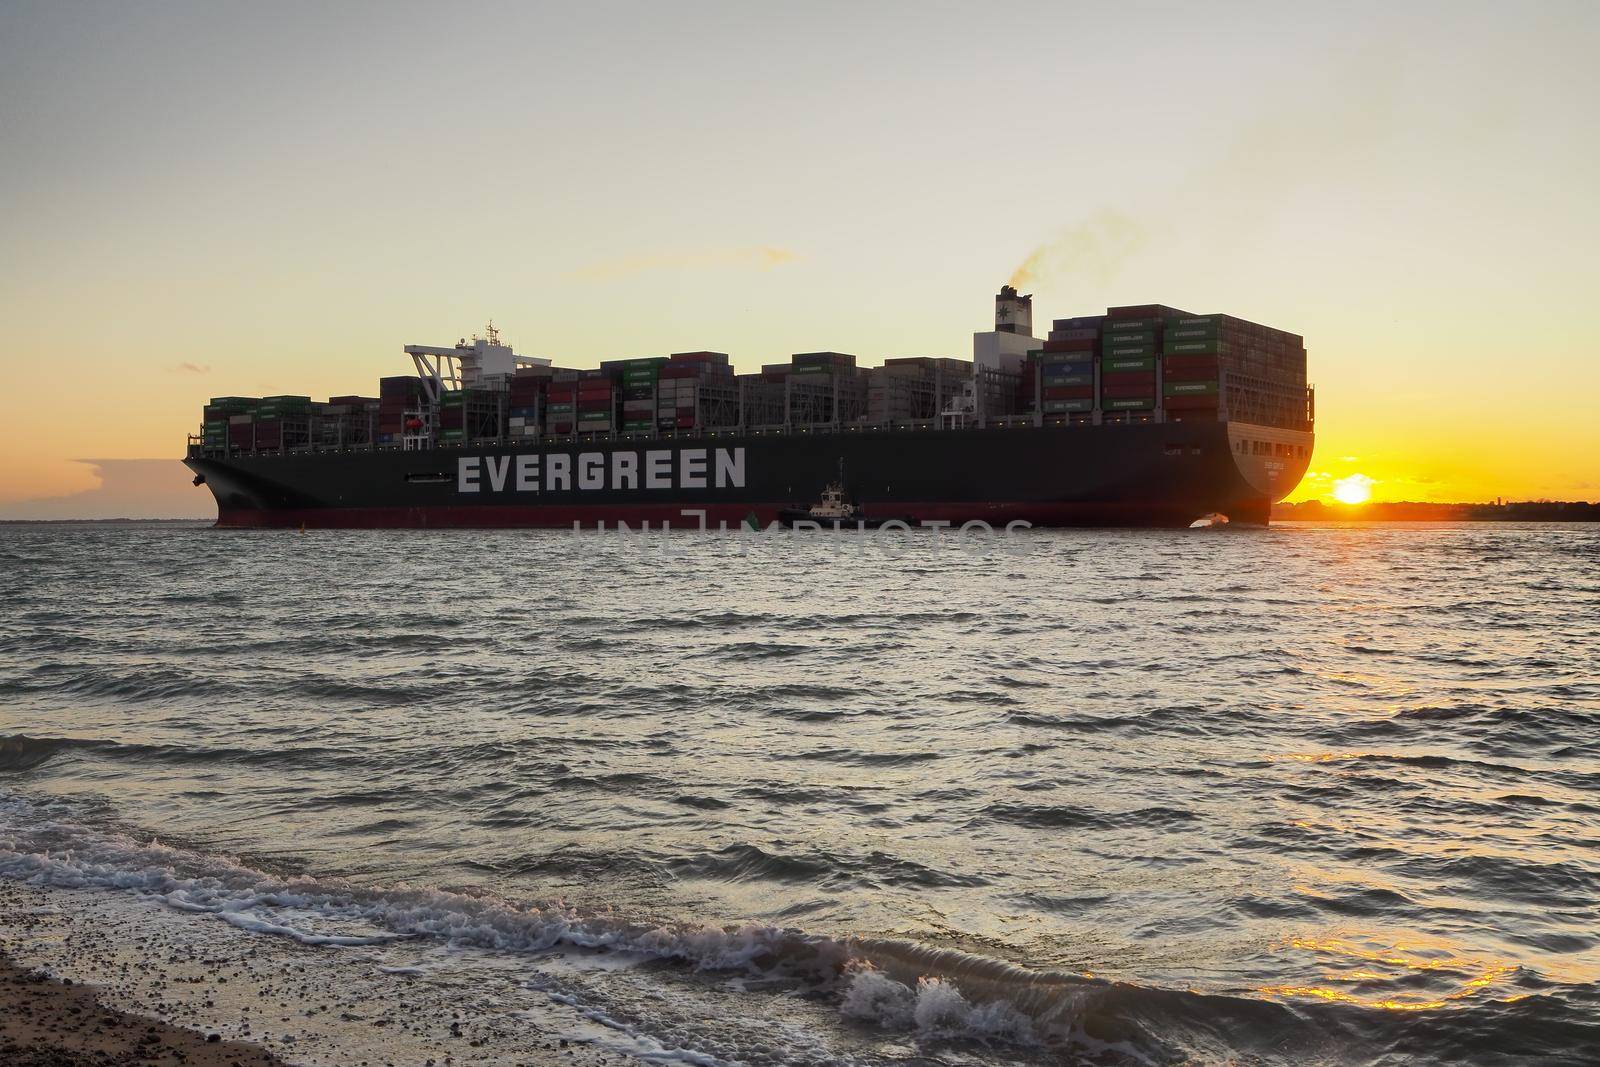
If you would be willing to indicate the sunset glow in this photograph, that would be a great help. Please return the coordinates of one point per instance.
(1356, 489)
(694, 198)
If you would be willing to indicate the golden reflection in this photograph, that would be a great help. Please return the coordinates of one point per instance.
(1400, 956)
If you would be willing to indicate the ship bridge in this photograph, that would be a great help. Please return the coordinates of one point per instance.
(482, 361)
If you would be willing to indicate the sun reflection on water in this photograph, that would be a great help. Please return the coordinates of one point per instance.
(1399, 962)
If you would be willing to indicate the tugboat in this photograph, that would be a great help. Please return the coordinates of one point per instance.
(834, 511)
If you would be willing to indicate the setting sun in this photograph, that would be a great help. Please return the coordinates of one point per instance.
(1356, 489)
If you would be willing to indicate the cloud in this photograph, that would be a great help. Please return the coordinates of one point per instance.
(127, 489)
(1094, 249)
(760, 257)
(191, 368)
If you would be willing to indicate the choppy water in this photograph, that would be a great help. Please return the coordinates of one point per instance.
(1311, 794)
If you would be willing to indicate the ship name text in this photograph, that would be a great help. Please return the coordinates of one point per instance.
(563, 472)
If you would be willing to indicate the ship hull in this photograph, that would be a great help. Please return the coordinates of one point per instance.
(1159, 474)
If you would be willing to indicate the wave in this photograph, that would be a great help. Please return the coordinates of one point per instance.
(21, 752)
(934, 992)
(953, 991)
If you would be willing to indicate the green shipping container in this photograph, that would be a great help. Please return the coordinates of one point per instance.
(645, 361)
(1119, 364)
(1131, 337)
(1131, 403)
(1191, 333)
(1189, 388)
(1113, 327)
(1188, 322)
(1130, 350)
(1211, 347)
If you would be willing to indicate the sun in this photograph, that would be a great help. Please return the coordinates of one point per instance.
(1356, 489)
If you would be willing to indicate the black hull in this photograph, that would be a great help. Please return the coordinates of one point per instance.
(1163, 474)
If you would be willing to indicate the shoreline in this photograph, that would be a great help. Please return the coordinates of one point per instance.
(102, 978)
(49, 1022)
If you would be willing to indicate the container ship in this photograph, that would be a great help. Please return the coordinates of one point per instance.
(1145, 415)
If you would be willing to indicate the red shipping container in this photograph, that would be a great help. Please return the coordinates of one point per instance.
(1078, 345)
(1190, 368)
(699, 357)
(1122, 392)
(1146, 378)
(1068, 392)
(686, 422)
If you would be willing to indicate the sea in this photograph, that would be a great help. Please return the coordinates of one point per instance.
(1307, 794)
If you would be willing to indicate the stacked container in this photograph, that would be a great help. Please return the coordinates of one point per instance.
(452, 417)
(525, 391)
(216, 431)
(636, 382)
(561, 402)
(283, 422)
(1066, 383)
(1128, 352)
(396, 396)
(687, 381)
(1217, 362)
(597, 402)
(1191, 365)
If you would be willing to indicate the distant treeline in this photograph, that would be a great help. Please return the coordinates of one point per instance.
(1409, 511)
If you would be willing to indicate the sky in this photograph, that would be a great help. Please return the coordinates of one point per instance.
(230, 199)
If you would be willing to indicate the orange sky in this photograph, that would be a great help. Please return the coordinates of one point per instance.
(230, 201)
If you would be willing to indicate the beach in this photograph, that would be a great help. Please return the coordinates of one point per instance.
(86, 980)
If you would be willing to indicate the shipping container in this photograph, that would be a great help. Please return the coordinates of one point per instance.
(1125, 364)
(1115, 390)
(1084, 345)
(1049, 380)
(1189, 368)
(1198, 402)
(1132, 324)
(1056, 407)
(1068, 392)
(1198, 388)
(1082, 322)
(1128, 403)
(1210, 347)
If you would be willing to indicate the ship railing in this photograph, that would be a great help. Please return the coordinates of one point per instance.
(1000, 422)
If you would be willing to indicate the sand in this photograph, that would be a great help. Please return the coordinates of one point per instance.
(46, 1023)
(94, 977)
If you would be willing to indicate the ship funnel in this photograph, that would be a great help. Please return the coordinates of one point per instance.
(1013, 313)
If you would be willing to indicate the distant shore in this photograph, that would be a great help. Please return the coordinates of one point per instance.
(1408, 511)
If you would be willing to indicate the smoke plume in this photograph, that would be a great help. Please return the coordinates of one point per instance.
(1095, 249)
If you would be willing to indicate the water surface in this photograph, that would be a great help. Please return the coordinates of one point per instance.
(1308, 794)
